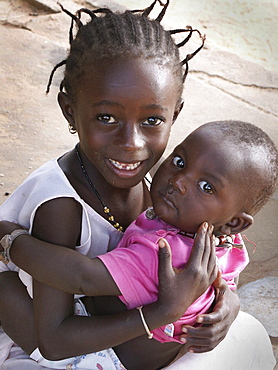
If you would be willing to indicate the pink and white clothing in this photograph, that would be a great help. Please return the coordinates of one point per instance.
(134, 268)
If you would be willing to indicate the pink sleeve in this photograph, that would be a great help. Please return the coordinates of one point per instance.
(134, 270)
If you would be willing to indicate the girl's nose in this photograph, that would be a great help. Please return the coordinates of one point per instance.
(178, 183)
(130, 138)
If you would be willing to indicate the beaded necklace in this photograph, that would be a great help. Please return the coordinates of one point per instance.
(223, 241)
(106, 210)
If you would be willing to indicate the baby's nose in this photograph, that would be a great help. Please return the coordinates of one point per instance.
(178, 182)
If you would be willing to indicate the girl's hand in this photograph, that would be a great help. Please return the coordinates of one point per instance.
(216, 324)
(178, 289)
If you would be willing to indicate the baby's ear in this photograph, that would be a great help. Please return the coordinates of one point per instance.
(67, 108)
(177, 111)
(237, 224)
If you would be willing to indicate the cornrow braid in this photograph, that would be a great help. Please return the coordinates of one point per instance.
(114, 35)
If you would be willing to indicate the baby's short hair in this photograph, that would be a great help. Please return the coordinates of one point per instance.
(247, 139)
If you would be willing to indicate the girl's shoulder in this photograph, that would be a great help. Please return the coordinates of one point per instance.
(49, 179)
(45, 183)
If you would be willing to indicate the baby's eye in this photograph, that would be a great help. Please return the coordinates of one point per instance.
(178, 161)
(106, 118)
(153, 121)
(206, 187)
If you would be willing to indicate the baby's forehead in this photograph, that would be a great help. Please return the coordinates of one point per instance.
(234, 155)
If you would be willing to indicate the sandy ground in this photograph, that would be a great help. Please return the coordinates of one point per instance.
(229, 80)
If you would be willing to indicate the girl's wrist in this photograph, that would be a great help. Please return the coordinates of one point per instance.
(158, 314)
(6, 243)
(7, 227)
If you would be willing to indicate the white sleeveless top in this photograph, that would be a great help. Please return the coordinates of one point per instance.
(46, 183)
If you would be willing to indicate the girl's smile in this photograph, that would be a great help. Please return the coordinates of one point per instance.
(125, 166)
(125, 170)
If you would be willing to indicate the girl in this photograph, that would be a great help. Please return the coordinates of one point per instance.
(121, 92)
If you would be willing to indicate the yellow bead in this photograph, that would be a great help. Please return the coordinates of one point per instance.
(106, 210)
(116, 225)
(120, 228)
(111, 218)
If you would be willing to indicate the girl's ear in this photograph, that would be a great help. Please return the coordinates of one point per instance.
(67, 109)
(177, 112)
(237, 224)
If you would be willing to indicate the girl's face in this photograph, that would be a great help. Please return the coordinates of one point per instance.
(123, 113)
(200, 181)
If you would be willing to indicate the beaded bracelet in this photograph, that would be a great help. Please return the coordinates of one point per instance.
(150, 335)
(7, 242)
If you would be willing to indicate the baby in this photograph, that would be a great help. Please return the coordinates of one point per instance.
(222, 173)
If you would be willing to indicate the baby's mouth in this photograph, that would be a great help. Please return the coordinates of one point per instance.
(125, 166)
(169, 199)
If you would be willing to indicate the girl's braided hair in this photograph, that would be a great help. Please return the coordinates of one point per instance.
(112, 35)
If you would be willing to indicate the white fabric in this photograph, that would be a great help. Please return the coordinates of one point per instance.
(246, 347)
(104, 360)
(13, 357)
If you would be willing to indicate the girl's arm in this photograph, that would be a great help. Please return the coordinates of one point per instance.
(62, 268)
(16, 311)
(61, 334)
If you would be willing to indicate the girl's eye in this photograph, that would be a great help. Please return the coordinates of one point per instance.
(206, 187)
(179, 162)
(153, 121)
(106, 118)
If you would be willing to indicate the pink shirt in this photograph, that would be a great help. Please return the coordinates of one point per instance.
(134, 268)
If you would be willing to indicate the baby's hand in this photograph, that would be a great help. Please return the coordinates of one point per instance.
(178, 289)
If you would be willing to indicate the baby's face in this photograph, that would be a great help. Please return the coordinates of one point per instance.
(202, 180)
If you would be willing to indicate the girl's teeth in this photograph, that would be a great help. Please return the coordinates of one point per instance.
(125, 166)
